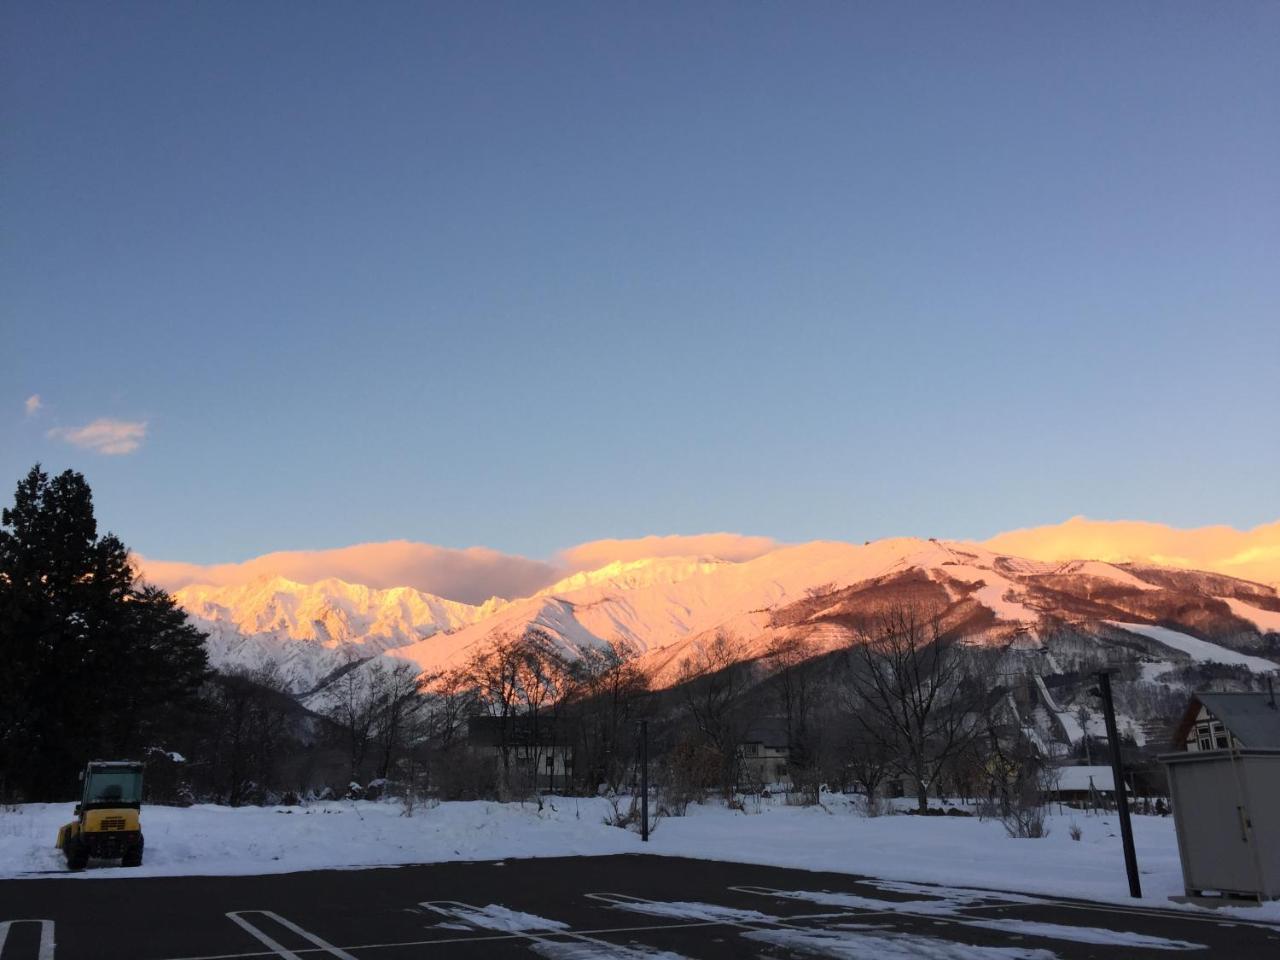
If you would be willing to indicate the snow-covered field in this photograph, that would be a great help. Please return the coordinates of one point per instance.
(836, 837)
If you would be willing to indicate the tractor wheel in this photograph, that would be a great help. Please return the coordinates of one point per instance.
(77, 852)
(133, 856)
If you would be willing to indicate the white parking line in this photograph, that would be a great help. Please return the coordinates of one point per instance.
(709, 913)
(45, 950)
(692, 925)
(237, 917)
(551, 936)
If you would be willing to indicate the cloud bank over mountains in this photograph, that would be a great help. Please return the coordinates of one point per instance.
(1247, 554)
(722, 546)
(475, 574)
(472, 575)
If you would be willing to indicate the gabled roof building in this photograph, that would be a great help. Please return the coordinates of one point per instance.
(1224, 781)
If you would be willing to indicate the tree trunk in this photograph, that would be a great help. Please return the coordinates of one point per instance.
(922, 796)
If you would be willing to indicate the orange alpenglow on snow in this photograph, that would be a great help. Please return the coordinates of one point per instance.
(475, 574)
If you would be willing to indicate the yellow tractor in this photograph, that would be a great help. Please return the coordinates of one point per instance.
(107, 824)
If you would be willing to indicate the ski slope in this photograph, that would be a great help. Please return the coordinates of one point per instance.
(1201, 651)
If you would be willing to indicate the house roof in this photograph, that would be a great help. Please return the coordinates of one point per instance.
(484, 731)
(770, 731)
(1078, 778)
(1251, 717)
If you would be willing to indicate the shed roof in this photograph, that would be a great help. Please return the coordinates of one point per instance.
(1078, 778)
(1252, 718)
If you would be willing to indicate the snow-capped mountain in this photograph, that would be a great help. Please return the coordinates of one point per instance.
(822, 591)
(309, 630)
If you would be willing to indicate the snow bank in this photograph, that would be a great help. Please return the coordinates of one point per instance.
(958, 851)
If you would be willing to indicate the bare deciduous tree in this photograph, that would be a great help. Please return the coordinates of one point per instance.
(396, 703)
(910, 693)
(610, 690)
(248, 713)
(712, 682)
(353, 710)
(794, 684)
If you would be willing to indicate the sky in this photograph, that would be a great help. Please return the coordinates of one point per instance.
(296, 276)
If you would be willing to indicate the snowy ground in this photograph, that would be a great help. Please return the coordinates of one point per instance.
(957, 851)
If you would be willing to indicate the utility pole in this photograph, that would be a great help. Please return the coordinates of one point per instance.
(1117, 774)
(644, 781)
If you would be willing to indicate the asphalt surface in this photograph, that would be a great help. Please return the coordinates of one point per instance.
(621, 908)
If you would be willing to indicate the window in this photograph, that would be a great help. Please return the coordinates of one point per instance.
(108, 785)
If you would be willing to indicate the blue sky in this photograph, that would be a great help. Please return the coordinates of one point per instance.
(525, 275)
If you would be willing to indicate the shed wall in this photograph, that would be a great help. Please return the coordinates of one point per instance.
(1212, 792)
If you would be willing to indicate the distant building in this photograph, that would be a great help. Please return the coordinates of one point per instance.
(765, 752)
(541, 749)
(1082, 786)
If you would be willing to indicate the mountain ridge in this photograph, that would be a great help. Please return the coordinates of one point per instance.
(661, 606)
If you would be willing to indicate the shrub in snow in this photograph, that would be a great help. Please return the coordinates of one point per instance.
(691, 770)
(1025, 821)
(1075, 831)
(627, 815)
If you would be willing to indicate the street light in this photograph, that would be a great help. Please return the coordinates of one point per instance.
(1103, 691)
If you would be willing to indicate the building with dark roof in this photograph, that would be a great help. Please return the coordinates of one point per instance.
(1224, 781)
(765, 751)
(1222, 721)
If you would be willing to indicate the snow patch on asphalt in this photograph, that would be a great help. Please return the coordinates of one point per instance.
(497, 917)
(1060, 931)
(853, 945)
(690, 910)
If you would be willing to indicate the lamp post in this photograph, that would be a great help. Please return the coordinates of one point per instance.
(644, 781)
(1117, 773)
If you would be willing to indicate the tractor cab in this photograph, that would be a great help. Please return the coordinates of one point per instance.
(107, 824)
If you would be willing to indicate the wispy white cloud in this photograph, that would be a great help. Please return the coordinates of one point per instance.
(32, 404)
(106, 436)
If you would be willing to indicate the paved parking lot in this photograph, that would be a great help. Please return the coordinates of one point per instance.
(625, 907)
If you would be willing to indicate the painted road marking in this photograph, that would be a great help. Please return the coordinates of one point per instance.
(551, 938)
(45, 950)
(447, 941)
(714, 913)
(237, 917)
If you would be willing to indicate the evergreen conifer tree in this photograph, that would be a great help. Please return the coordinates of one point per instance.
(90, 658)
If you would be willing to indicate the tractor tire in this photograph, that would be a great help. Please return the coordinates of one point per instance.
(133, 856)
(77, 852)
